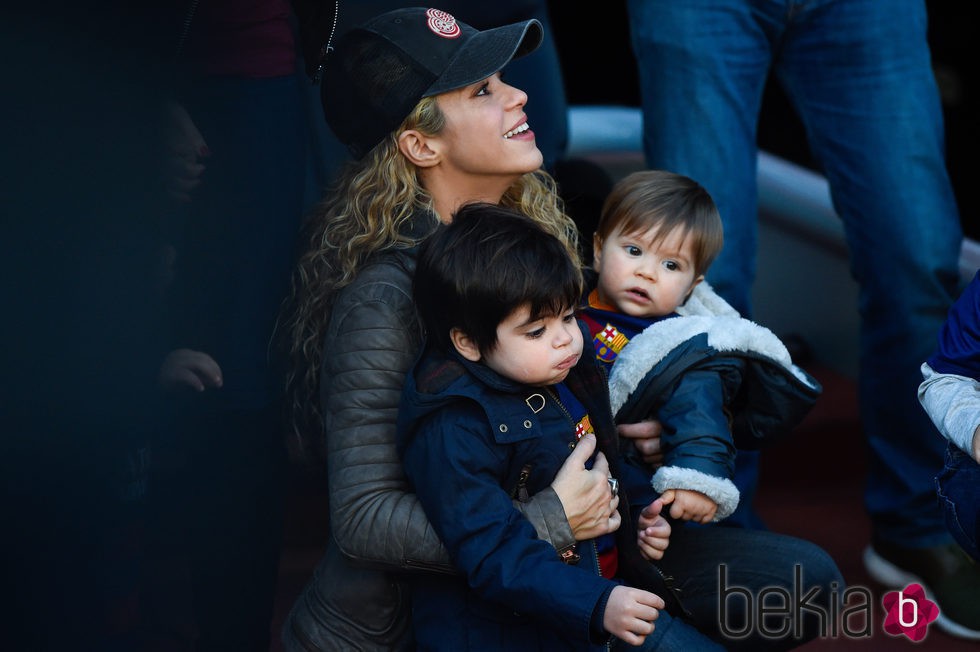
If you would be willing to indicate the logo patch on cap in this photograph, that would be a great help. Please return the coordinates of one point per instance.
(442, 23)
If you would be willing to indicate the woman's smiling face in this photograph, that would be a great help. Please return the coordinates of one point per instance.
(487, 131)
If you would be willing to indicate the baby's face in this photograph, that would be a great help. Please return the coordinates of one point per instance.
(643, 275)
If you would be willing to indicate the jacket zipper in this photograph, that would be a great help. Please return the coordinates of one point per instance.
(521, 490)
(327, 47)
(570, 554)
(568, 415)
(668, 580)
(598, 570)
(185, 27)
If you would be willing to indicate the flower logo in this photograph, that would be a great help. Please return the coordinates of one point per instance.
(909, 612)
(442, 23)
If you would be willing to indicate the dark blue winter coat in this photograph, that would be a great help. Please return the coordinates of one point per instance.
(472, 442)
(716, 381)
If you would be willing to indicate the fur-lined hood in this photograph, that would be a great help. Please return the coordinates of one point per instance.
(727, 331)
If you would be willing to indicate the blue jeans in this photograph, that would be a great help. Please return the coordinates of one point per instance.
(722, 572)
(669, 635)
(858, 73)
(958, 486)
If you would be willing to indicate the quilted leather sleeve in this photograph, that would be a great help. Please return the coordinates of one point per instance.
(371, 342)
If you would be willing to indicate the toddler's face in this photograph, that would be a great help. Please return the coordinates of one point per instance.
(643, 275)
(536, 352)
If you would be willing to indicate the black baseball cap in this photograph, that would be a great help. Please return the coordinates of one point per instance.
(379, 70)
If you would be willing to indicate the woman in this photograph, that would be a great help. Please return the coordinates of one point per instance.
(353, 322)
(417, 98)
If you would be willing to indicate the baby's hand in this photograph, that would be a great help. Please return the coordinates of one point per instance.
(194, 369)
(630, 613)
(654, 531)
(688, 505)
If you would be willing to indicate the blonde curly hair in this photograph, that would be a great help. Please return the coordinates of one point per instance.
(365, 213)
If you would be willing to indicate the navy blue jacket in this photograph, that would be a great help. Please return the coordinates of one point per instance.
(472, 441)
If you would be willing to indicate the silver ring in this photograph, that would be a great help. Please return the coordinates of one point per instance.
(614, 486)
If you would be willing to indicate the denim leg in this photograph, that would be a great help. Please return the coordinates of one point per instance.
(702, 67)
(858, 72)
(722, 571)
(958, 486)
(671, 635)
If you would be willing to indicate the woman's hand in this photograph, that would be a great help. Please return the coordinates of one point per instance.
(585, 494)
(646, 438)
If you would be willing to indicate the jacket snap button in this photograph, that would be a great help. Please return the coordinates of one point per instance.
(503, 427)
(527, 424)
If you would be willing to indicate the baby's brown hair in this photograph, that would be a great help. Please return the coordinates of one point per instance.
(656, 198)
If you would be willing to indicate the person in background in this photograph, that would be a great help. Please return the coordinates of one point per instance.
(950, 395)
(238, 137)
(858, 72)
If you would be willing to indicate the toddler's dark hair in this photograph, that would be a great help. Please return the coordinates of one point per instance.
(490, 261)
